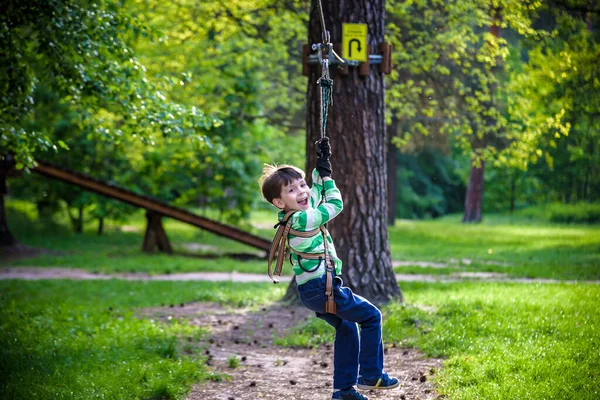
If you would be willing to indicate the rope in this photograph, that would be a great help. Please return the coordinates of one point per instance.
(324, 37)
(325, 82)
(326, 99)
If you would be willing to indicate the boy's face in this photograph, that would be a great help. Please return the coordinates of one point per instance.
(295, 196)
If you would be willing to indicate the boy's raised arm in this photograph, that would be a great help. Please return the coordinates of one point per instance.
(325, 212)
(321, 177)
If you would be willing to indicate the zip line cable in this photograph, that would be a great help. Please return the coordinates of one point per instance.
(322, 21)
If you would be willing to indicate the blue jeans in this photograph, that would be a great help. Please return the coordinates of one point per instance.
(352, 351)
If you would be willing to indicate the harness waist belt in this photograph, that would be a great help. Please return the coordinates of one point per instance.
(279, 245)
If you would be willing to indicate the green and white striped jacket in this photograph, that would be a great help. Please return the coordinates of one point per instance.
(309, 220)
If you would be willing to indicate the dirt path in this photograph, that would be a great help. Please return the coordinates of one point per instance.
(266, 371)
(35, 273)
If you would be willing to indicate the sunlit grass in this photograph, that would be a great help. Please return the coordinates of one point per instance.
(500, 244)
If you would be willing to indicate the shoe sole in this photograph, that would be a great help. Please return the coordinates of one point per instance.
(365, 387)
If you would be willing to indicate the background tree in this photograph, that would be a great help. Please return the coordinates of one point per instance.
(560, 81)
(450, 80)
(243, 82)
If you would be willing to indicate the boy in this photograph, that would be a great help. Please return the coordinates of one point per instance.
(354, 353)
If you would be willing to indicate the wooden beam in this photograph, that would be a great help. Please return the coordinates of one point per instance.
(150, 204)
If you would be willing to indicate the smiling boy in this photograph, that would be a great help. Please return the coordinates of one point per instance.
(358, 356)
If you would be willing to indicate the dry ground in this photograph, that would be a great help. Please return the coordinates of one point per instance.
(267, 371)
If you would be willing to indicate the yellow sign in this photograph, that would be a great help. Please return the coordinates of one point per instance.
(354, 42)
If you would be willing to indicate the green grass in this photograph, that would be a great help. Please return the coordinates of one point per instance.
(516, 245)
(82, 339)
(500, 244)
(120, 251)
(499, 341)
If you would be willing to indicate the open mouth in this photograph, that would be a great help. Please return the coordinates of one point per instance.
(303, 202)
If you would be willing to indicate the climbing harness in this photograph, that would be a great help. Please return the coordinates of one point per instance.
(280, 244)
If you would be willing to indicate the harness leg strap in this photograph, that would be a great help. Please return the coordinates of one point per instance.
(330, 307)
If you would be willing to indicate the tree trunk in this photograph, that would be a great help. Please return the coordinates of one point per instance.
(79, 221)
(100, 226)
(392, 173)
(513, 191)
(155, 236)
(291, 294)
(586, 183)
(6, 238)
(356, 128)
(76, 221)
(474, 197)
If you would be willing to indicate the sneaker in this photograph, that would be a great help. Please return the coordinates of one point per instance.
(384, 382)
(350, 394)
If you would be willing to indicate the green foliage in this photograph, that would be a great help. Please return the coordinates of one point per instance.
(81, 52)
(233, 362)
(427, 185)
(310, 334)
(215, 56)
(527, 98)
(565, 213)
(449, 70)
(234, 60)
(509, 189)
(86, 153)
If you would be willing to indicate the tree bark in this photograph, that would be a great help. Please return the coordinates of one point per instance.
(356, 128)
(291, 294)
(474, 199)
(6, 238)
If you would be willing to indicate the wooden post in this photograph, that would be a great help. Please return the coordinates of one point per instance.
(305, 54)
(155, 234)
(386, 58)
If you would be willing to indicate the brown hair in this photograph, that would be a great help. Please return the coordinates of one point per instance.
(275, 177)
